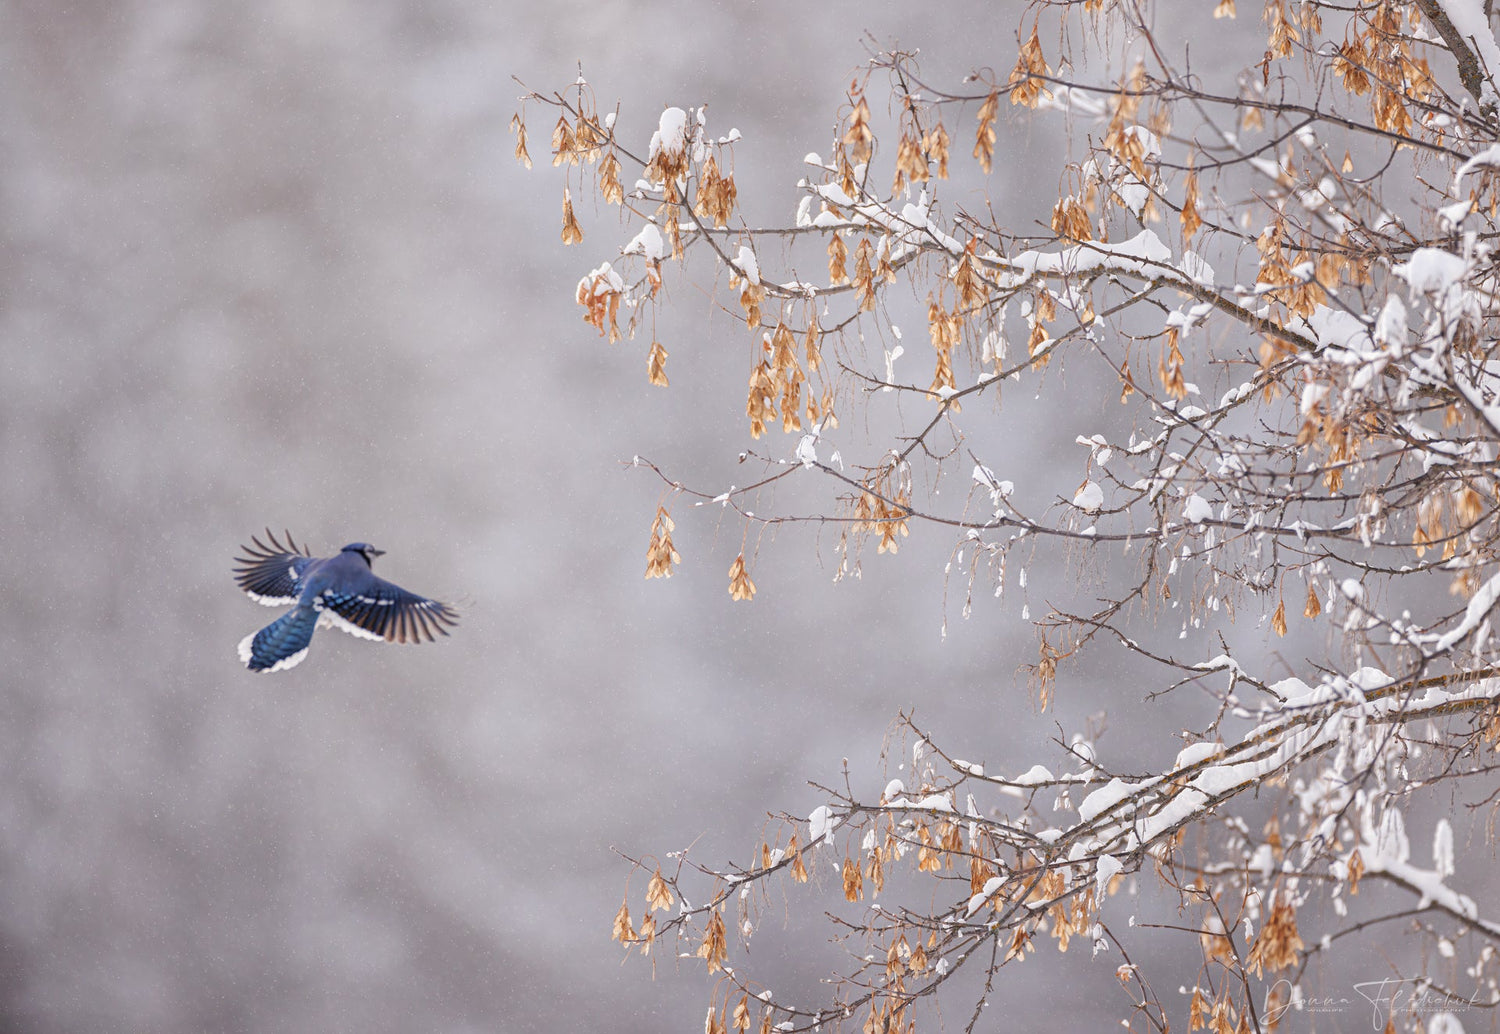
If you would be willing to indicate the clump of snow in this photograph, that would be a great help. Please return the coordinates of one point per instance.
(1263, 861)
(1034, 776)
(991, 888)
(1442, 848)
(1479, 607)
(984, 476)
(1133, 194)
(890, 365)
(1489, 158)
(1391, 842)
(1444, 1023)
(1197, 509)
(1148, 140)
(825, 218)
(936, 802)
(746, 262)
(1431, 270)
(671, 133)
(1390, 325)
(821, 824)
(1451, 217)
(1089, 497)
(647, 243)
(1098, 447)
(1143, 253)
(1104, 798)
(807, 450)
(1197, 270)
(603, 280)
(1105, 869)
(1195, 753)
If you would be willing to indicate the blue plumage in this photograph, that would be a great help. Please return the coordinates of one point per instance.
(341, 591)
(281, 644)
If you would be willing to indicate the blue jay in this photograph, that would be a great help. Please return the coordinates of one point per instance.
(340, 591)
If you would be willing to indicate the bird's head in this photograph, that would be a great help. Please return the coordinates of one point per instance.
(365, 550)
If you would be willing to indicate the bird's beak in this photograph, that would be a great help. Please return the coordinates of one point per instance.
(376, 552)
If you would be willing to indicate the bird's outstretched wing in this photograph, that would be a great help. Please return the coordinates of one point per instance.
(381, 610)
(272, 574)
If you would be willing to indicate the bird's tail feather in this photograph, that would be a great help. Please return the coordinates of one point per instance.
(281, 644)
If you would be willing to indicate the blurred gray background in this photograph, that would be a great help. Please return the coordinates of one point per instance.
(273, 264)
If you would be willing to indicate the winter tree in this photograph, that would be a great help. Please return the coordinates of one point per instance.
(1283, 267)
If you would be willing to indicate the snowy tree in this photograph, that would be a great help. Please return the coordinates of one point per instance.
(1284, 269)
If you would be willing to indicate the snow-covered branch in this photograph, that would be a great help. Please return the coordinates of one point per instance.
(1287, 278)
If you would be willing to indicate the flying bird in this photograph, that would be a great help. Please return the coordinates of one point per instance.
(339, 591)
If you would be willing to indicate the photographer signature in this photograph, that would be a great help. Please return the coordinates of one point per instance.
(1384, 997)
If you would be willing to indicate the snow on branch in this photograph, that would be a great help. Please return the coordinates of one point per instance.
(1262, 320)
